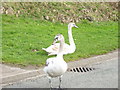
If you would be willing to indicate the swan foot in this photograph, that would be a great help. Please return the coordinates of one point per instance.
(50, 82)
(60, 80)
(59, 88)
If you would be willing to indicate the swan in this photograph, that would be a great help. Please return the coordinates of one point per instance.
(56, 66)
(53, 49)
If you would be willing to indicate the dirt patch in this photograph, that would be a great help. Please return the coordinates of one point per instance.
(63, 12)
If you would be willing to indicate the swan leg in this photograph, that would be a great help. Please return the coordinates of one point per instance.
(50, 82)
(60, 80)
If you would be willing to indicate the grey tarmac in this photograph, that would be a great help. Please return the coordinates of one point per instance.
(104, 76)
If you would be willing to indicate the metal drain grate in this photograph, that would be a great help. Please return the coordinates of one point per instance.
(81, 69)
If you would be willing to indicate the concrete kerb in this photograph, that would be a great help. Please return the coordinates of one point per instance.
(33, 73)
(94, 60)
(20, 76)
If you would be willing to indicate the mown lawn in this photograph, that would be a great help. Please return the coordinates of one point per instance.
(20, 36)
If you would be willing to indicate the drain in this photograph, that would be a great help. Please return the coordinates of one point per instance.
(80, 69)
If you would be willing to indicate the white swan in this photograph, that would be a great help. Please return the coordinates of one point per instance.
(53, 49)
(56, 66)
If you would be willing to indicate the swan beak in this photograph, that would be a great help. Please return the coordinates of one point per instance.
(53, 42)
(76, 26)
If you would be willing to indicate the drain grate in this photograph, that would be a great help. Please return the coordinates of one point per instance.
(81, 69)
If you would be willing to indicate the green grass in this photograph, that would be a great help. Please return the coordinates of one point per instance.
(21, 35)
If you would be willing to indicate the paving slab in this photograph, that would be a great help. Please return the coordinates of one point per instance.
(13, 74)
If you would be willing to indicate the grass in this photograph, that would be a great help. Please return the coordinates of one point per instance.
(20, 36)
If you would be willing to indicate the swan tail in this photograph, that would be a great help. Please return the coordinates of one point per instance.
(50, 54)
(44, 49)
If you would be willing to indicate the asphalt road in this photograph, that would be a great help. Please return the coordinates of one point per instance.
(105, 76)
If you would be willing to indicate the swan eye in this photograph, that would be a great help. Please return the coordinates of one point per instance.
(56, 38)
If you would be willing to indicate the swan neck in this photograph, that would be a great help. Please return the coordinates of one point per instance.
(71, 41)
(60, 52)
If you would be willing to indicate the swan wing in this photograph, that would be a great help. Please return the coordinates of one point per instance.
(55, 67)
(53, 49)
(49, 62)
(65, 50)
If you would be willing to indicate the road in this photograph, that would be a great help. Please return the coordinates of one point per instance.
(105, 76)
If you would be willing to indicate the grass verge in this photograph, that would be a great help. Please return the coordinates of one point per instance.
(21, 36)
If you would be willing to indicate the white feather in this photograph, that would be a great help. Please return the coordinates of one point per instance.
(67, 49)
